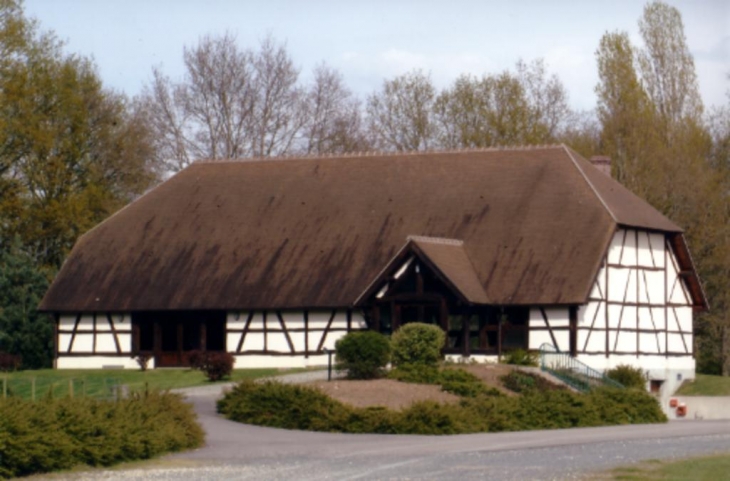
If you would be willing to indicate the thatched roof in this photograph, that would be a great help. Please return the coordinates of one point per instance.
(314, 232)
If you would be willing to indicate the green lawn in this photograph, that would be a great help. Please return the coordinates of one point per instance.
(711, 468)
(706, 385)
(99, 383)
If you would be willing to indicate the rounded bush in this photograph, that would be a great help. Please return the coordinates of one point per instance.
(363, 354)
(418, 343)
(628, 376)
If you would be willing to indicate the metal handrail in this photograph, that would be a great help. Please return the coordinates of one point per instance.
(571, 371)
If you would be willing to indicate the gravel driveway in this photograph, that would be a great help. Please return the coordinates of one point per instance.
(243, 452)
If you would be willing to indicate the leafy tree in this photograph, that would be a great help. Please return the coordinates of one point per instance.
(519, 108)
(651, 121)
(70, 152)
(666, 64)
(23, 330)
(400, 115)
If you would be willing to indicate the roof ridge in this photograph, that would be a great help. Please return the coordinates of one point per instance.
(435, 240)
(569, 151)
(380, 153)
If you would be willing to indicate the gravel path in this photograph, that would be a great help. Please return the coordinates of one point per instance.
(242, 452)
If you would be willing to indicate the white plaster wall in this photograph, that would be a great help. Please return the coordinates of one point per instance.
(558, 318)
(63, 342)
(97, 362)
(474, 358)
(702, 407)
(653, 363)
(83, 343)
(631, 284)
(318, 320)
(259, 361)
(254, 341)
(105, 343)
(683, 315)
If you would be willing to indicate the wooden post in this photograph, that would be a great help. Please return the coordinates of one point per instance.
(306, 334)
(135, 338)
(32, 389)
(499, 334)
(573, 333)
(395, 314)
(465, 328)
(157, 342)
(179, 342)
(71, 388)
(444, 318)
(725, 351)
(203, 335)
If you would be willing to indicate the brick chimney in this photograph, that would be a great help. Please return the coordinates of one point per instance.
(602, 163)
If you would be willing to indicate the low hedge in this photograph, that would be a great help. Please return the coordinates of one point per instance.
(628, 376)
(527, 382)
(453, 380)
(57, 434)
(306, 408)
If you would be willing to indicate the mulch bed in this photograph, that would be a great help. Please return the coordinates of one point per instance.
(383, 392)
(398, 395)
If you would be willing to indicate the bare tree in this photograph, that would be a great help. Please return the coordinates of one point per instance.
(334, 121)
(279, 111)
(231, 103)
(546, 96)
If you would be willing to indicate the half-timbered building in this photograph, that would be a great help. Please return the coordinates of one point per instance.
(274, 260)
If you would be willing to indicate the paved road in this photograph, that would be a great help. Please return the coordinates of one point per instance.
(243, 452)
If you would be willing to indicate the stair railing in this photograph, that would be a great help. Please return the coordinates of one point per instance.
(571, 371)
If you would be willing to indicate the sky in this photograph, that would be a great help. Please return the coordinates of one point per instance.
(370, 41)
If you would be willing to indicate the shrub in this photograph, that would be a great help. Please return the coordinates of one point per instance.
(300, 407)
(56, 434)
(525, 383)
(10, 362)
(465, 384)
(418, 343)
(456, 381)
(143, 360)
(628, 376)
(287, 406)
(215, 364)
(521, 357)
(363, 354)
(416, 373)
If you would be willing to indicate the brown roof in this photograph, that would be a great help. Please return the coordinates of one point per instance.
(314, 232)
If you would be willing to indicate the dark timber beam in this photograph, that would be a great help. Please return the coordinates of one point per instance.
(573, 322)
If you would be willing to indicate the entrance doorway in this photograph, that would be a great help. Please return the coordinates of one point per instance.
(170, 336)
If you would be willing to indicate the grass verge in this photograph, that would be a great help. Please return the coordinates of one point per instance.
(709, 468)
(706, 385)
(100, 383)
